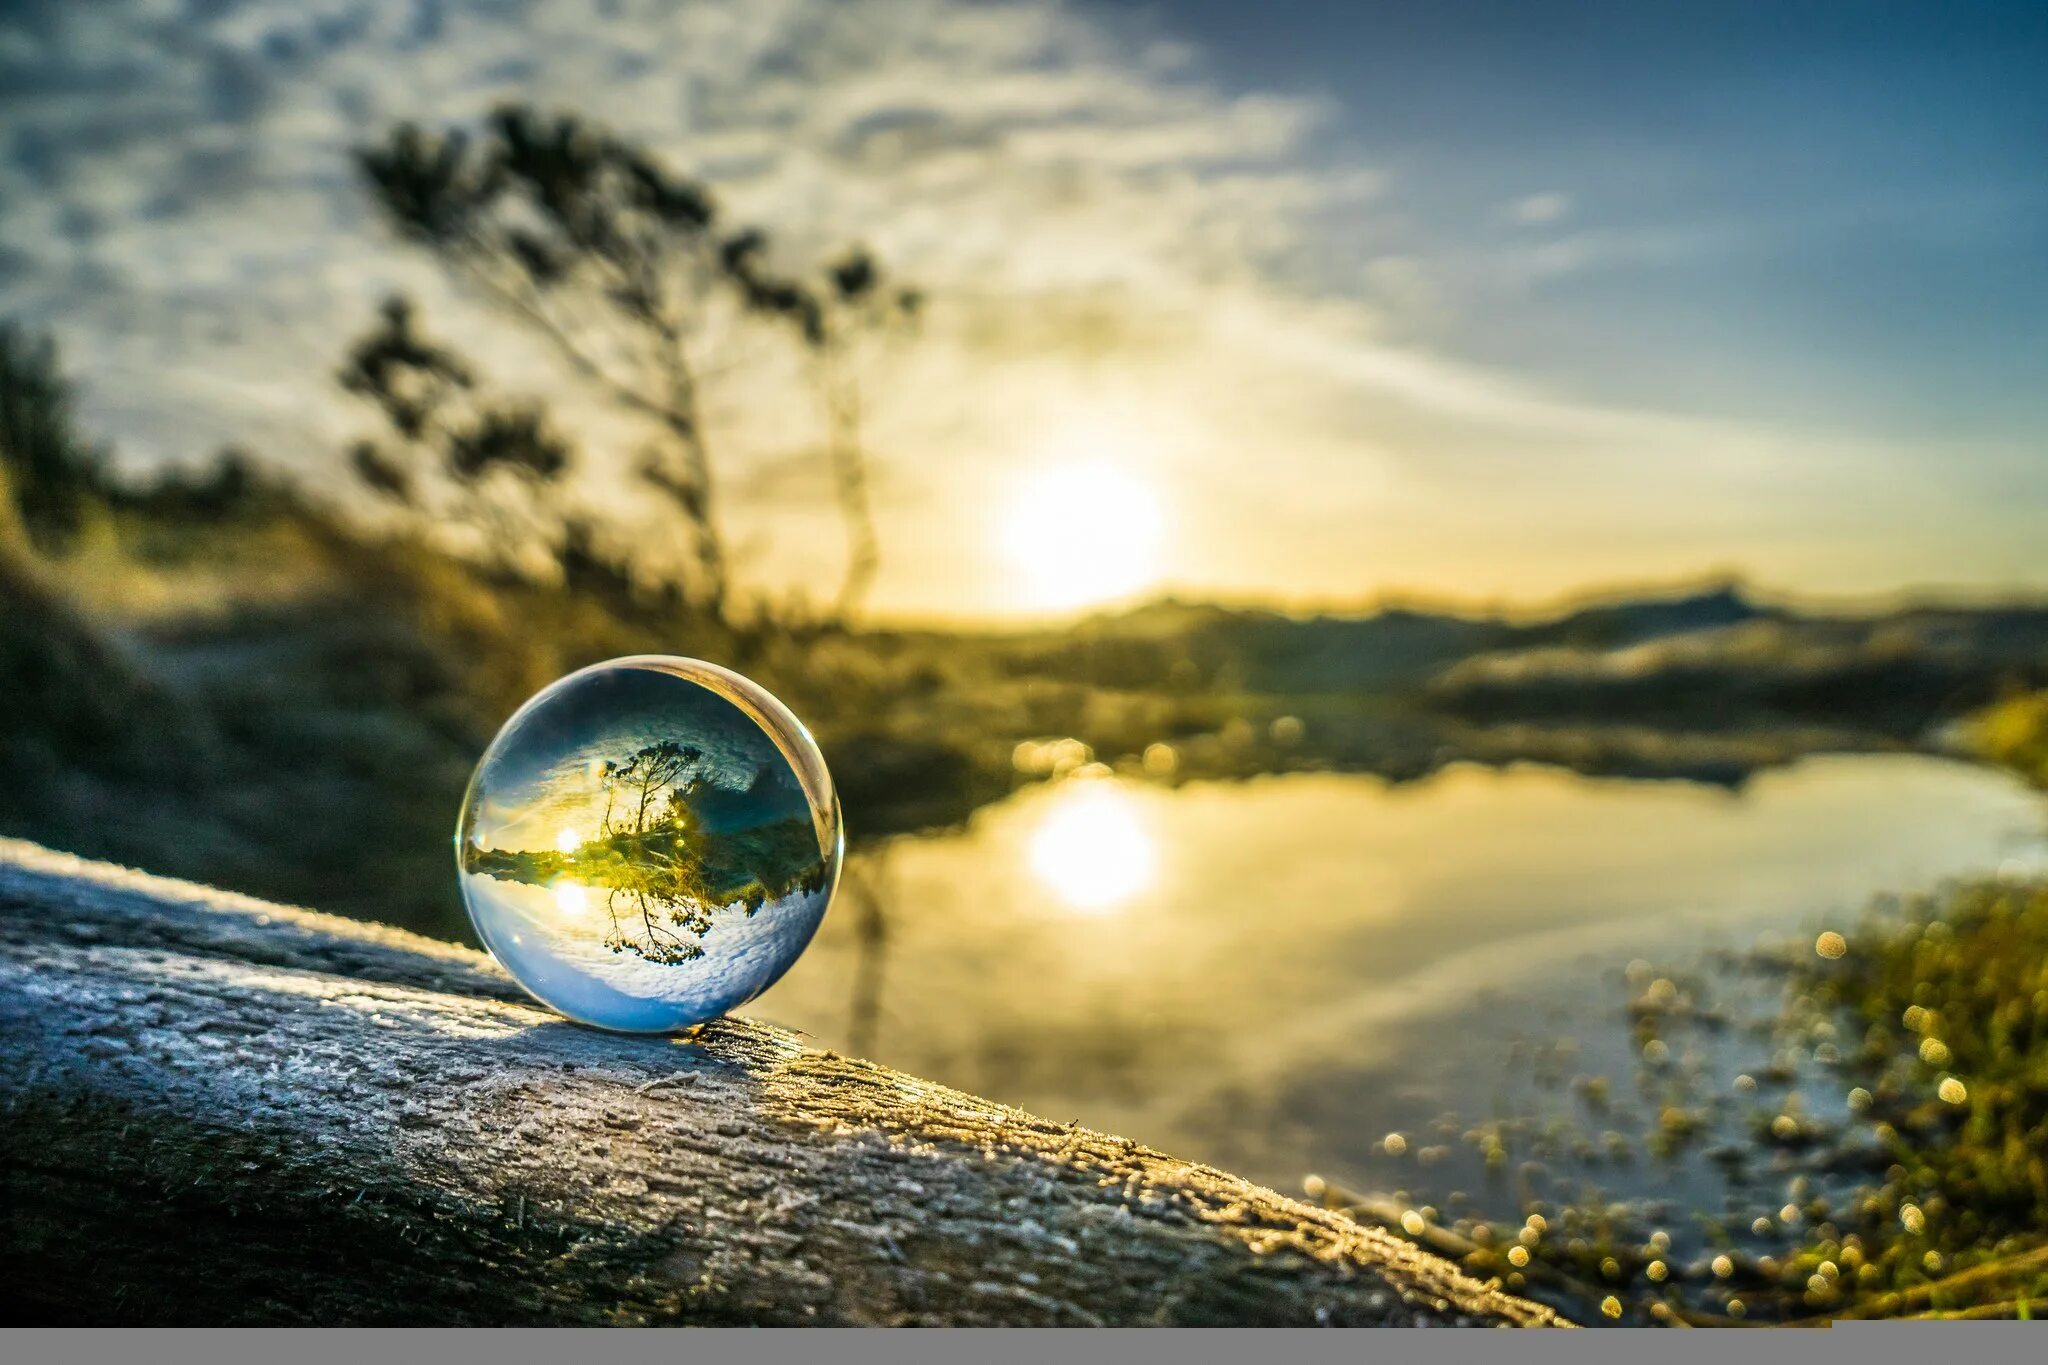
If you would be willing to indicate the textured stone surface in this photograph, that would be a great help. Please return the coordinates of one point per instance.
(216, 1110)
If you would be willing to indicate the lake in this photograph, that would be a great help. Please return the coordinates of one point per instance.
(1275, 975)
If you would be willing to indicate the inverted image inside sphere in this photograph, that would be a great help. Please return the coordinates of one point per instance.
(649, 843)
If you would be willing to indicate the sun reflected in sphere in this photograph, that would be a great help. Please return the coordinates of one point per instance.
(1092, 849)
(569, 898)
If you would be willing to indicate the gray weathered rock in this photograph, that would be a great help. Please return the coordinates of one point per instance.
(218, 1110)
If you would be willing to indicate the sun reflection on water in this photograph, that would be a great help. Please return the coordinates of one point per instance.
(569, 899)
(1091, 848)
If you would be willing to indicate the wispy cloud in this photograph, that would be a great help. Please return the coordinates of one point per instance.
(1098, 223)
(1540, 210)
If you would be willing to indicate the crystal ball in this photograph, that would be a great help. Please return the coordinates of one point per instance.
(649, 843)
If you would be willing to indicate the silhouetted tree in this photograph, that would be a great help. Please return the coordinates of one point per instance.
(656, 877)
(66, 687)
(382, 473)
(49, 475)
(408, 377)
(658, 888)
(644, 779)
(590, 570)
(232, 483)
(447, 424)
(600, 250)
(831, 317)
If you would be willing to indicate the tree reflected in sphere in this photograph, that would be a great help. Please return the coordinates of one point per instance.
(649, 843)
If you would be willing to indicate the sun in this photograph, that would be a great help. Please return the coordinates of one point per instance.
(1080, 532)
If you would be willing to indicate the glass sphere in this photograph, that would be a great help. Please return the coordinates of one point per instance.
(649, 843)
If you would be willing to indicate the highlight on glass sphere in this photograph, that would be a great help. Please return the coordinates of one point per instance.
(649, 843)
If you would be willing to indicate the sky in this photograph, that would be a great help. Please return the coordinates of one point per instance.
(1309, 303)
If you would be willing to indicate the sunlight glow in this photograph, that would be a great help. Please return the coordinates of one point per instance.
(1082, 529)
(569, 899)
(1092, 849)
(568, 841)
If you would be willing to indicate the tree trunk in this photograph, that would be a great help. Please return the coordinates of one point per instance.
(221, 1111)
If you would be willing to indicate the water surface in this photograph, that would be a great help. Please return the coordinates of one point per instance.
(1273, 975)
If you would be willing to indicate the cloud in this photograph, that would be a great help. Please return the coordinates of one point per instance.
(1540, 210)
(198, 162)
(1098, 224)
